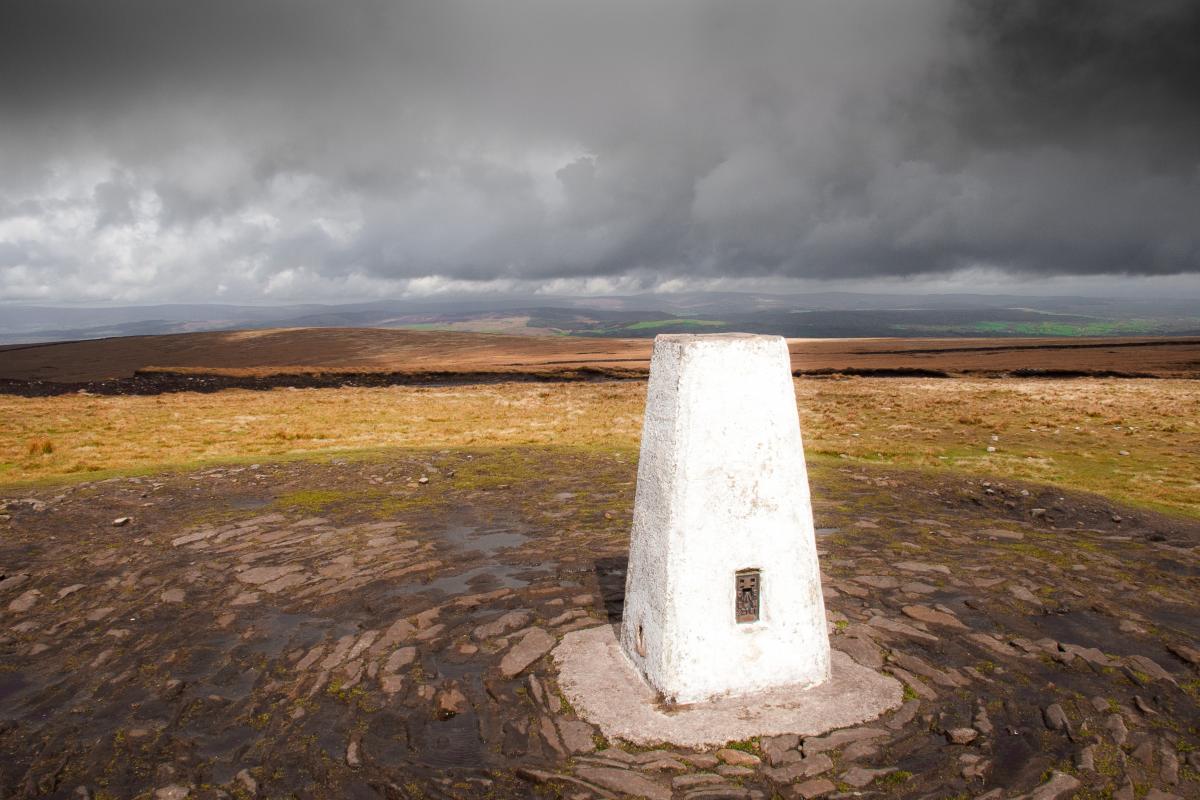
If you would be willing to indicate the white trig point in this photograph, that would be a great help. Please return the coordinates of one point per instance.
(723, 592)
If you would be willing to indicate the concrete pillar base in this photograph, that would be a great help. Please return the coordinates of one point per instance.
(608, 692)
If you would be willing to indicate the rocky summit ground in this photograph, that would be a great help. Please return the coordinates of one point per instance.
(380, 627)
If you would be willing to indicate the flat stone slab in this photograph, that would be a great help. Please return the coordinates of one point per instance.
(605, 690)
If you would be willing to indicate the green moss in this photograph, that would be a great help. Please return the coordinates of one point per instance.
(310, 500)
(893, 779)
(751, 745)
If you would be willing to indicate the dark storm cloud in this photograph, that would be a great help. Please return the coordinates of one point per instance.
(288, 148)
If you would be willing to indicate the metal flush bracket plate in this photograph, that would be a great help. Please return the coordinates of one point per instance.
(748, 589)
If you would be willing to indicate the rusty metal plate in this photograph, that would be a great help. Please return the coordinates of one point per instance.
(748, 588)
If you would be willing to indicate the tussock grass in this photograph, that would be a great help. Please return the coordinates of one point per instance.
(1131, 440)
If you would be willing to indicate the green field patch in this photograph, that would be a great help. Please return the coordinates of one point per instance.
(652, 324)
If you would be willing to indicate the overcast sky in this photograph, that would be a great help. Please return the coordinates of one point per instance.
(284, 150)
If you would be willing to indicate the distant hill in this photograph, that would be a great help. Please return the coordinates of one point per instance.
(320, 357)
(818, 315)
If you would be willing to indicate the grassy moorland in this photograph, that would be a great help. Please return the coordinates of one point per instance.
(1129, 440)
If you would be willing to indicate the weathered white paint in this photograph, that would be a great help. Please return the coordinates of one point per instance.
(722, 486)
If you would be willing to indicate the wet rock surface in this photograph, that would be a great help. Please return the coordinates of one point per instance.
(343, 629)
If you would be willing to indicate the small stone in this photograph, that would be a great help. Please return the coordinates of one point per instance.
(1115, 725)
(400, 630)
(1055, 718)
(701, 779)
(1021, 593)
(501, 625)
(982, 722)
(832, 741)
(895, 626)
(859, 750)
(260, 575)
(364, 641)
(1169, 770)
(13, 581)
(399, 659)
(738, 758)
(450, 702)
(625, 782)
(391, 683)
(532, 646)
(567, 616)
(816, 764)
(1037, 513)
(247, 782)
(353, 756)
(1085, 759)
(962, 735)
(878, 581)
(734, 771)
(25, 600)
(858, 777)
(174, 791)
(172, 596)
(1058, 785)
(805, 768)
(1144, 752)
(69, 590)
(904, 715)
(577, 736)
(975, 767)
(929, 615)
(816, 787)
(777, 748)
(121, 522)
(861, 650)
(1150, 667)
(1189, 654)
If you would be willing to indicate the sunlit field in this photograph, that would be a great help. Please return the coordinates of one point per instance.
(1131, 440)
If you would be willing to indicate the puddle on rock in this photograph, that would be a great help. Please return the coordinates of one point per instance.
(249, 503)
(479, 579)
(489, 542)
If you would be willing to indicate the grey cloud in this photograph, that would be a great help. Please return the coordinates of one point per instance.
(535, 141)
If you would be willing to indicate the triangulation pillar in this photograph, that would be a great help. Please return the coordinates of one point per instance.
(723, 591)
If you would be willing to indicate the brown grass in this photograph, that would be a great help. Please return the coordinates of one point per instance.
(1070, 433)
(307, 350)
